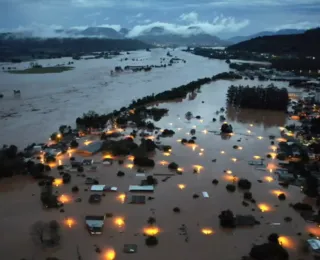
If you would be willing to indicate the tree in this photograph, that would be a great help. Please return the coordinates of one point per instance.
(38, 232)
(74, 144)
(45, 234)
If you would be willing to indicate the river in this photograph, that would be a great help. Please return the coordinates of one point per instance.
(50, 100)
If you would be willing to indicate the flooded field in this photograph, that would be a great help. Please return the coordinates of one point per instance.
(50, 100)
(214, 158)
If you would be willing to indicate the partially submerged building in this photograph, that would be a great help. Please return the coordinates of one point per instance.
(90, 149)
(137, 188)
(95, 224)
(102, 188)
(314, 245)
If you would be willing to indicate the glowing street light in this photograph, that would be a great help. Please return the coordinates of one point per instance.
(151, 231)
(207, 231)
(181, 186)
(110, 254)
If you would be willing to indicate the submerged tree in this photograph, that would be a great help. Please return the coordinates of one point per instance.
(45, 234)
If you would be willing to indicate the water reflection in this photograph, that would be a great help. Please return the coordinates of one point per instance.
(264, 118)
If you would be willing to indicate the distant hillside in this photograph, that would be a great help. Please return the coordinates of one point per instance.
(238, 39)
(12, 47)
(306, 44)
(178, 40)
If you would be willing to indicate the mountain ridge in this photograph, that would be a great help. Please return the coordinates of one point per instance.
(237, 39)
(306, 44)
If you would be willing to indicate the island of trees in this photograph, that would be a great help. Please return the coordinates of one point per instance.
(271, 97)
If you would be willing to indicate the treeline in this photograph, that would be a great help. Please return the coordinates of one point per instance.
(12, 48)
(297, 64)
(98, 121)
(245, 66)
(12, 163)
(225, 55)
(271, 97)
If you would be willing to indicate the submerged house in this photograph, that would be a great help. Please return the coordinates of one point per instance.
(314, 245)
(95, 224)
(90, 149)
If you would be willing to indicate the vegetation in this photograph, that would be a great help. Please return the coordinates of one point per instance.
(223, 55)
(305, 44)
(244, 66)
(271, 97)
(42, 70)
(16, 48)
(46, 234)
(300, 65)
(151, 241)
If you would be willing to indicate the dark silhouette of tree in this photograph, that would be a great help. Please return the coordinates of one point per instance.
(45, 234)
(271, 98)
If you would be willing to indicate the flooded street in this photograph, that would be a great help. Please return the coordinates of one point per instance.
(50, 100)
(21, 206)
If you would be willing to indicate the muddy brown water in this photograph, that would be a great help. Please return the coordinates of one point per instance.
(20, 209)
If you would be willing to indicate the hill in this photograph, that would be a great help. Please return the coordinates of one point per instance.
(24, 48)
(306, 44)
(238, 39)
(194, 36)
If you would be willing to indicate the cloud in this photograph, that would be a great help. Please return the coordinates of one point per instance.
(146, 21)
(219, 24)
(92, 15)
(191, 17)
(116, 27)
(106, 19)
(138, 15)
(37, 30)
(299, 26)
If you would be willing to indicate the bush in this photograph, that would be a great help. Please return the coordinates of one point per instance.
(231, 187)
(167, 133)
(176, 210)
(244, 184)
(151, 241)
(151, 220)
(151, 180)
(247, 195)
(173, 166)
(143, 162)
(66, 178)
(282, 196)
(215, 181)
(74, 144)
(75, 189)
(184, 141)
(120, 174)
(227, 219)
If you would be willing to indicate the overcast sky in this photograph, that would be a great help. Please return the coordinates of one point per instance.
(224, 18)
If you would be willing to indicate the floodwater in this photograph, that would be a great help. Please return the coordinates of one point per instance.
(50, 100)
(20, 205)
